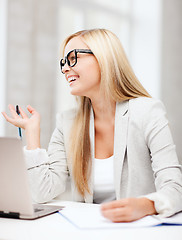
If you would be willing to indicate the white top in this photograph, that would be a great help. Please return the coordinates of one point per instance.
(103, 180)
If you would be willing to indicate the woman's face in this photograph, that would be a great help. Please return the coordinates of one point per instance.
(84, 77)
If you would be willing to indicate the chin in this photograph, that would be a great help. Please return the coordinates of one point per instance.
(76, 93)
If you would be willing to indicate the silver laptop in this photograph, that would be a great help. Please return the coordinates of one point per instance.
(15, 197)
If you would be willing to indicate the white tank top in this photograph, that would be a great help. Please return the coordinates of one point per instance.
(103, 180)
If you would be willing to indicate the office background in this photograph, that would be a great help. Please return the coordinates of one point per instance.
(31, 32)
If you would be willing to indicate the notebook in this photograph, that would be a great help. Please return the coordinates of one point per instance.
(15, 196)
(89, 216)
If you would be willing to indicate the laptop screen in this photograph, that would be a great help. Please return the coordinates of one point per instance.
(14, 188)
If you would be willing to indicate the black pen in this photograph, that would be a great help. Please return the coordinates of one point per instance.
(18, 112)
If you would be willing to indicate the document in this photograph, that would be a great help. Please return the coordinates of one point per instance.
(88, 216)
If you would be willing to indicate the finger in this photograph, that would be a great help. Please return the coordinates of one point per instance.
(5, 115)
(114, 204)
(116, 214)
(31, 109)
(8, 119)
(122, 219)
(126, 216)
(112, 212)
(22, 113)
(13, 111)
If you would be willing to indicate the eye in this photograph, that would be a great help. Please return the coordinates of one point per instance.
(72, 58)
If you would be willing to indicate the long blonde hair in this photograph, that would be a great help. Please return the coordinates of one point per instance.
(118, 82)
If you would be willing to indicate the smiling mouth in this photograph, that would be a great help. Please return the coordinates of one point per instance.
(72, 79)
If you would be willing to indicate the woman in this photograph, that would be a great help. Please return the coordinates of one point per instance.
(116, 146)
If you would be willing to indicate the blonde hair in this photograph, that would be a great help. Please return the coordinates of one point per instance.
(118, 82)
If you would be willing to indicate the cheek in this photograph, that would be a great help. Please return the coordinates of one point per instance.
(89, 71)
(94, 72)
(92, 79)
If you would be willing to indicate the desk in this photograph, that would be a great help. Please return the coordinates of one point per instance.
(55, 227)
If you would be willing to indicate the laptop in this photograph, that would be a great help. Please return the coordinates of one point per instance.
(15, 196)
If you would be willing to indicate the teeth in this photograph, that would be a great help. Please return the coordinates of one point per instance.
(71, 79)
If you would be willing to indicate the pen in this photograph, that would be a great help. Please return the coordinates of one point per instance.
(19, 129)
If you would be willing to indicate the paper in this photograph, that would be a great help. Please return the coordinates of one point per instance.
(174, 220)
(89, 217)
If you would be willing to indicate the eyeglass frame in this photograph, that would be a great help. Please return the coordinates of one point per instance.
(75, 51)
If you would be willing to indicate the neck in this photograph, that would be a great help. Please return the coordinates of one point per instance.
(103, 109)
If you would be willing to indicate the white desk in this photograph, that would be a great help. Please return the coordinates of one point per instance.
(55, 226)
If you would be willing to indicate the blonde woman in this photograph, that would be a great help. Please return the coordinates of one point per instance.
(116, 146)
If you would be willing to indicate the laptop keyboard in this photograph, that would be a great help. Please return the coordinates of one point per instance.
(38, 209)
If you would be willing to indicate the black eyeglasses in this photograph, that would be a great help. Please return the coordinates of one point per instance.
(71, 57)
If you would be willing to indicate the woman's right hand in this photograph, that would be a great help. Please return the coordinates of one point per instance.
(31, 125)
(23, 121)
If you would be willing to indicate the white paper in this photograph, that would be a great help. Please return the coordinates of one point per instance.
(175, 219)
(89, 217)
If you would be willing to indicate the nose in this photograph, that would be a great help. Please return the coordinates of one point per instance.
(66, 68)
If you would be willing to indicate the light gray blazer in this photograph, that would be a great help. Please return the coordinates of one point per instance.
(145, 160)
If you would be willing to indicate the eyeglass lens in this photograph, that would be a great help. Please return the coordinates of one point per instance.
(71, 58)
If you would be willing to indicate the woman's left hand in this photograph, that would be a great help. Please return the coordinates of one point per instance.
(128, 209)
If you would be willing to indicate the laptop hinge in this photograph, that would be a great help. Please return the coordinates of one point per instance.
(9, 214)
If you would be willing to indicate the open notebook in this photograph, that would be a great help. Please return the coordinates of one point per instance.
(15, 197)
(88, 216)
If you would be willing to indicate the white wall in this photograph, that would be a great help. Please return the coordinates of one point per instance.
(171, 69)
(146, 44)
(3, 24)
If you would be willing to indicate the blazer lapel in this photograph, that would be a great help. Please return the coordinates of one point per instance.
(120, 140)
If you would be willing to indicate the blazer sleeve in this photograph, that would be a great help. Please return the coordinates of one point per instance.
(48, 171)
(165, 164)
